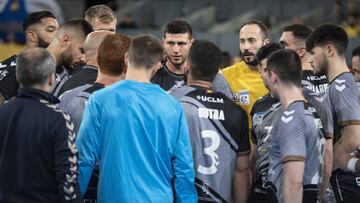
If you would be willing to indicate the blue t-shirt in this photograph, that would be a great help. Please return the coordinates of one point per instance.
(139, 136)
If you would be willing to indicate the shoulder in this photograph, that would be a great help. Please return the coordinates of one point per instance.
(179, 92)
(233, 69)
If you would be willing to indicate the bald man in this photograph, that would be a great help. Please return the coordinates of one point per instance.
(68, 49)
(88, 73)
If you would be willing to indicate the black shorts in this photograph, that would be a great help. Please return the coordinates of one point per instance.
(346, 186)
(310, 194)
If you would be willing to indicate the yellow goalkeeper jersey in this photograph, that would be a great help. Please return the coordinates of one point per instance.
(246, 85)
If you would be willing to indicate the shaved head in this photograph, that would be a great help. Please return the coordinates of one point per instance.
(93, 41)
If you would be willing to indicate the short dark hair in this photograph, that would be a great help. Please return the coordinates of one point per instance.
(145, 50)
(112, 62)
(204, 58)
(34, 66)
(178, 26)
(287, 66)
(262, 26)
(266, 50)
(35, 18)
(356, 52)
(328, 34)
(81, 27)
(298, 30)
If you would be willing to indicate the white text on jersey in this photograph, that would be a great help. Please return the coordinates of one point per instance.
(213, 114)
(210, 99)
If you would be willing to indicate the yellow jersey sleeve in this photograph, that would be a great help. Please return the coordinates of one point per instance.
(246, 85)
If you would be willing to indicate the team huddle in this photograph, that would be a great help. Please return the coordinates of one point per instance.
(91, 115)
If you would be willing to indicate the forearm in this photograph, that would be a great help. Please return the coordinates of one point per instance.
(241, 186)
(328, 160)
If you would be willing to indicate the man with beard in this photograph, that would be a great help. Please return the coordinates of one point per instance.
(220, 144)
(68, 49)
(89, 71)
(327, 45)
(244, 77)
(177, 40)
(294, 38)
(40, 29)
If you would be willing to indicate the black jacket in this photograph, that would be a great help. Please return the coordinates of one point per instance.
(38, 158)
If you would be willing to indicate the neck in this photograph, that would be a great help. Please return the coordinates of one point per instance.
(253, 68)
(289, 94)
(175, 69)
(92, 62)
(139, 74)
(305, 65)
(336, 67)
(200, 83)
(30, 44)
(108, 79)
(54, 51)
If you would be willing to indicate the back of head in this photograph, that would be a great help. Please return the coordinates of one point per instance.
(204, 58)
(287, 66)
(35, 18)
(328, 34)
(266, 50)
(93, 41)
(34, 66)
(261, 25)
(77, 28)
(111, 54)
(101, 12)
(178, 26)
(299, 31)
(145, 51)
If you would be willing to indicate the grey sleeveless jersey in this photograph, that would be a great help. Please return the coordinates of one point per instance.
(298, 135)
(219, 133)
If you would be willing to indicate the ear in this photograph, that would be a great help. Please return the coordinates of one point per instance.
(126, 59)
(51, 80)
(65, 40)
(273, 77)
(329, 50)
(301, 52)
(192, 40)
(266, 41)
(31, 36)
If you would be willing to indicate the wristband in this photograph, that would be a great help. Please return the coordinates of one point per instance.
(351, 164)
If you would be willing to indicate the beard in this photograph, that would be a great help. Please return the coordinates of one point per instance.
(66, 59)
(253, 62)
(42, 43)
(322, 68)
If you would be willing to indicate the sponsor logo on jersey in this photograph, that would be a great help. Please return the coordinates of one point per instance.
(213, 114)
(244, 97)
(357, 179)
(258, 118)
(209, 99)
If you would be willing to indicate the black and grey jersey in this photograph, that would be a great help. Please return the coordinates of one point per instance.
(343, 100)
(219, 85)
(262, 115)
(8, 82)
(74, 101)
(313, 82)
(219, 133)
(166, 79)
(298, 135)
